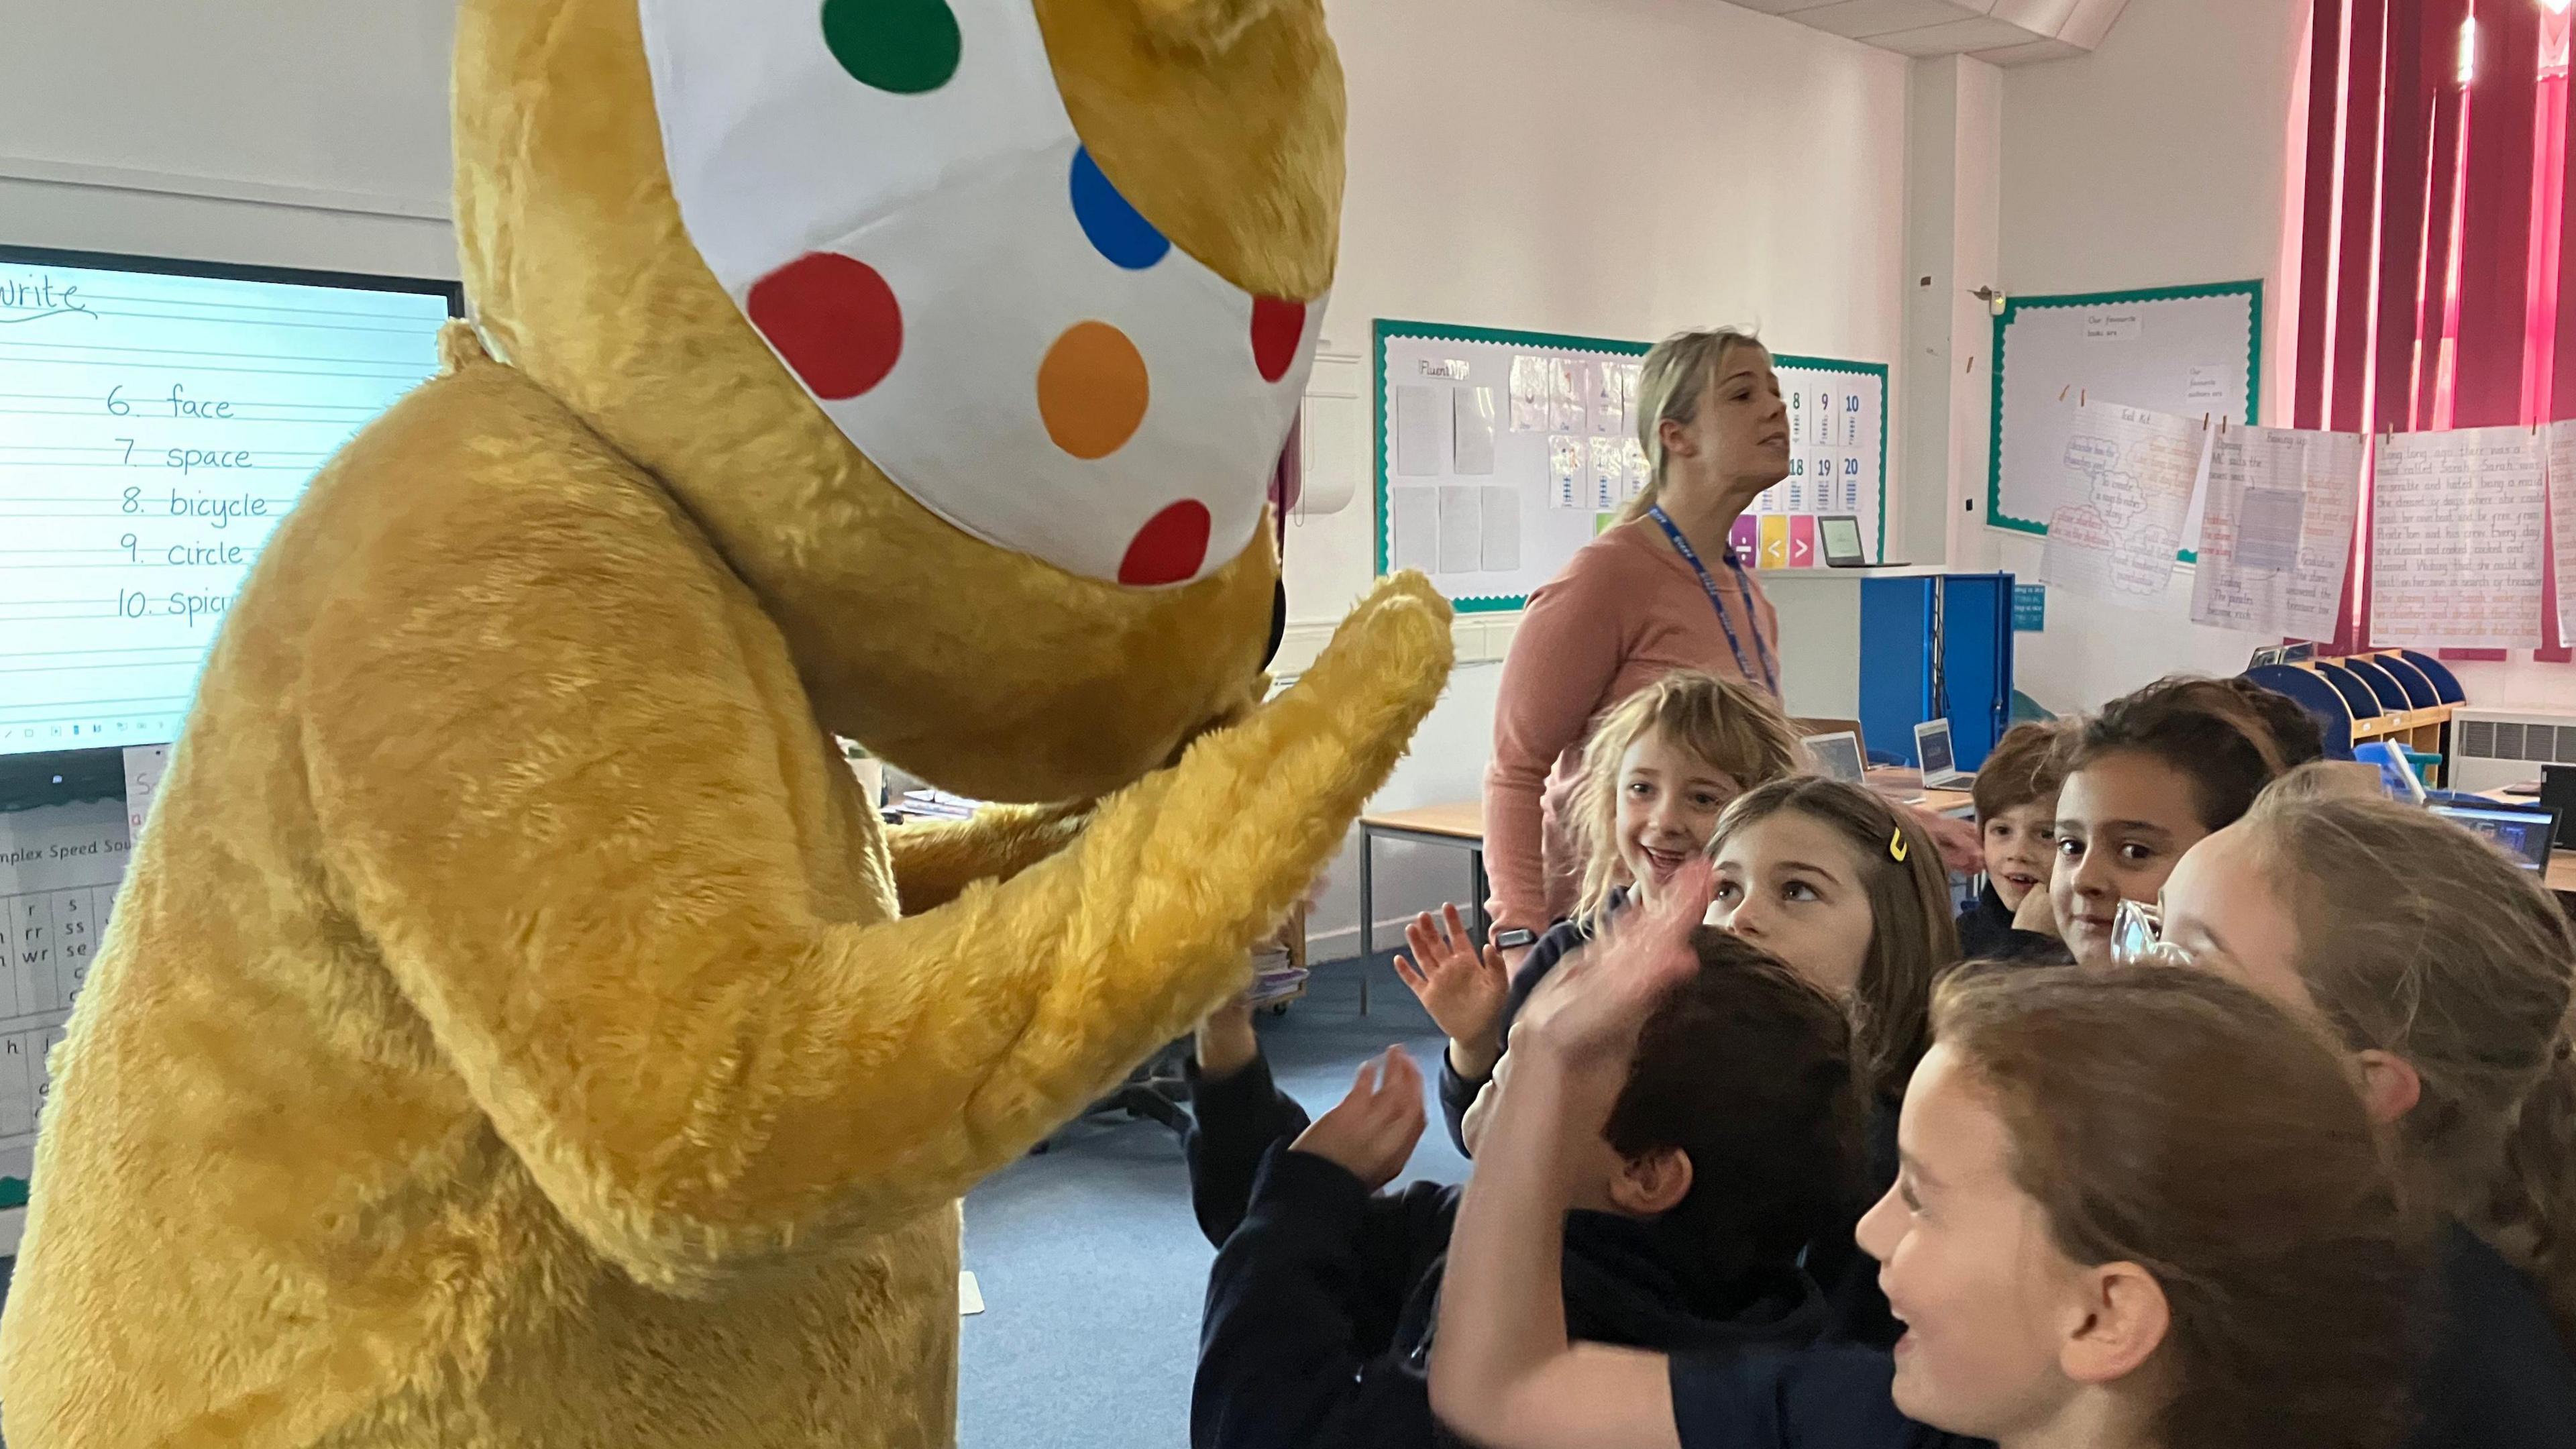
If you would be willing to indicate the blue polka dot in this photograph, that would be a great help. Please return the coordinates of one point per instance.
(1116, 230)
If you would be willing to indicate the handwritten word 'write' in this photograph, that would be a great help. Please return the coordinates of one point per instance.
(39, 299)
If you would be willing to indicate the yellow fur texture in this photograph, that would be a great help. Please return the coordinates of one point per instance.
(508, 1035)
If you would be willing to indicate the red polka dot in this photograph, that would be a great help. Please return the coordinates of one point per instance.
(833, 318)
(1169, 548)
(1277, 327)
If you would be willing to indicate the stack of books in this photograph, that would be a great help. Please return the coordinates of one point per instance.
(1275, 976)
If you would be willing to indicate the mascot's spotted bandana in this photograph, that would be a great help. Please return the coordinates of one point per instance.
(893, 194)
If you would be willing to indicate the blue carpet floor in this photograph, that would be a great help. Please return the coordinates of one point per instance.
(1092, 1269)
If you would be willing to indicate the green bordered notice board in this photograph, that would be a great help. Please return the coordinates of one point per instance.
(1499, 453)
(2187, 351)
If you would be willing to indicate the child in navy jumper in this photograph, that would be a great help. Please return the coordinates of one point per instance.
(2016, 795)
(1732, 1141)
(2094, 1242)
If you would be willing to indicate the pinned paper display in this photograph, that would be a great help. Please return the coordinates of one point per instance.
(1531, 405)
(1472, 413)
(1608, 474)
(1500, 455)
(2457, 539)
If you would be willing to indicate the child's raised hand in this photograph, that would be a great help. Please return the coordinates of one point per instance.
(2037, 913)
(1463, 990)
(1371, 1133)
(1589, 1010)
(1225, 1043)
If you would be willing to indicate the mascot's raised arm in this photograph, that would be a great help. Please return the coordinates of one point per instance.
(516, 1029)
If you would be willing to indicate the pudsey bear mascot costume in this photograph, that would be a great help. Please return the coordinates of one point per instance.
(516, 1029)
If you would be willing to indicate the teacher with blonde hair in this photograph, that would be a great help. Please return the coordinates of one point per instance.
(1661, 590)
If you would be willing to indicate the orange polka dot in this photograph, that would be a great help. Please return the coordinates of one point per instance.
(1092, 390)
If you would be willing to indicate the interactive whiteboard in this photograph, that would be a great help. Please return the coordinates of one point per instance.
(157, 421)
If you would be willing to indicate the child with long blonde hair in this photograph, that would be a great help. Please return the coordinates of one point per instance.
(1659, 770)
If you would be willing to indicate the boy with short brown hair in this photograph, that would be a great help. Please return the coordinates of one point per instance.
(2016, 795)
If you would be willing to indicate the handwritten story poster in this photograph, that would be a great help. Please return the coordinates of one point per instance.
(2457, 538)
(2562, 518)
(2129, 475)
(2276, 530)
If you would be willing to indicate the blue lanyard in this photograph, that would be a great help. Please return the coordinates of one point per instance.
(1690, 555)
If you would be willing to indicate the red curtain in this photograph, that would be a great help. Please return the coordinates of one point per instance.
(2432, 280)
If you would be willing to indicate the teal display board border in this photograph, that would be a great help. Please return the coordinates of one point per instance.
(2015, 306)
(1388, 327)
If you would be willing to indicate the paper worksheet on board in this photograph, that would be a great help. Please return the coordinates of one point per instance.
(2561, 445)
(2457, 539)
(2129, 478)
(2276, 530)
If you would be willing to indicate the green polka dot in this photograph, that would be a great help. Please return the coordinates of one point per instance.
(904, 46)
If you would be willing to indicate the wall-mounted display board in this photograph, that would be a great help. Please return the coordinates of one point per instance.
(1500, 453)
(2182, 351)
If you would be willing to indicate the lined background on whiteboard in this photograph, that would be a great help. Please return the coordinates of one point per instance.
(154, 430)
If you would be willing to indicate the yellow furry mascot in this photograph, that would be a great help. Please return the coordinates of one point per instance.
(515, 1029)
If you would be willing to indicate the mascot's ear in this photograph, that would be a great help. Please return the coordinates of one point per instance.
(1205, 26)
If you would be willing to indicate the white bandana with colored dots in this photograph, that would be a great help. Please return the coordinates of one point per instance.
(893, 194)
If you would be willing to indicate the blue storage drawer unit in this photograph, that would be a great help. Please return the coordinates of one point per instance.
(1937, 646)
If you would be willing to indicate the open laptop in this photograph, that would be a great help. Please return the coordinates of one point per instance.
(2523, 832)
(1839, 534)
(1838, 537)
(1940, 761)
(1838, 757)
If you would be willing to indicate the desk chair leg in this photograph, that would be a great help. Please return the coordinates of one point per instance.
(1484, 925)
(1368, 911)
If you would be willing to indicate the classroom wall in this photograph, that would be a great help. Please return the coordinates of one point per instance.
(2163, 158)
(1618, 168)
(291, 133)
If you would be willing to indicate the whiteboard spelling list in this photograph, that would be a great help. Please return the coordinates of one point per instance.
(154, 431)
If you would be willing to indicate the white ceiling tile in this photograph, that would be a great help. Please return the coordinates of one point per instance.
(2007, 32)
(1956, 38)
(2039, 17)
(2030, 53)
(1866, 19)
(2091, 21)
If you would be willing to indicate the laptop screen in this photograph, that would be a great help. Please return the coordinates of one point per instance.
(1837, 757)
(1932, 743)
(2523, 834)
(1842, 538)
